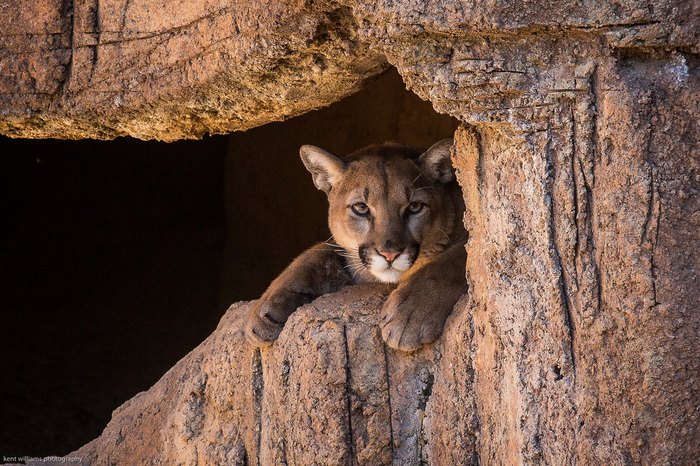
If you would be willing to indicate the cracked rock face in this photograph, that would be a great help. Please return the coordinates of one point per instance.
(108, 68)
(327, 392)
(578, 340)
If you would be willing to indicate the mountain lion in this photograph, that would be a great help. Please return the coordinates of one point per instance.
(396, 216)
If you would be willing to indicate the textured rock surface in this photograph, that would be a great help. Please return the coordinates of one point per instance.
(328, 392)
(578, 342)
(107, 68)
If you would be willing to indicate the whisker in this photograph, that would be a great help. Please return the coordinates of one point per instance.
(419, 175)
(357, 268)
(355, 272)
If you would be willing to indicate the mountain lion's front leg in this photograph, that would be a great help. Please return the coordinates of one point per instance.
(317, 271)
(417, 309)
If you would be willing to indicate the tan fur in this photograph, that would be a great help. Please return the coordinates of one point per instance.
(395, 215)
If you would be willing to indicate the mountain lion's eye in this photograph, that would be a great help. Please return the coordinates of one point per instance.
(415, 207)
(360, 208)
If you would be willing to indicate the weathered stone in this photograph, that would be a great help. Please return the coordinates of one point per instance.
(583, 344)
(327, 392)
(578, 341)
(108, 68)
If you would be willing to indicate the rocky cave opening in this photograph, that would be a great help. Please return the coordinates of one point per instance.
(121, 256)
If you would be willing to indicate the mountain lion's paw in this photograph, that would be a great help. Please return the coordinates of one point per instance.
(262, 328)
(407, 322)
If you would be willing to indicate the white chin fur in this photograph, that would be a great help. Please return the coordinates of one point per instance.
(381, 269)
(387, 275)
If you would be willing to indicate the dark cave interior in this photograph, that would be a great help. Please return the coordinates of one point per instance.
(121, 256)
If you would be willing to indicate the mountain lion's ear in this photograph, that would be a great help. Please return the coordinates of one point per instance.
(436, 161)
(326, 168)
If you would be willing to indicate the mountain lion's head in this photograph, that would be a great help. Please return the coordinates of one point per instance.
(388, 205)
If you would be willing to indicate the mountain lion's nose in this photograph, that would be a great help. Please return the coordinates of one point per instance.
(389, 255)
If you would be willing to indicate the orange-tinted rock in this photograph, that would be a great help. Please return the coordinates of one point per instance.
(167, 70)
(327, 392)
(578, 342)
